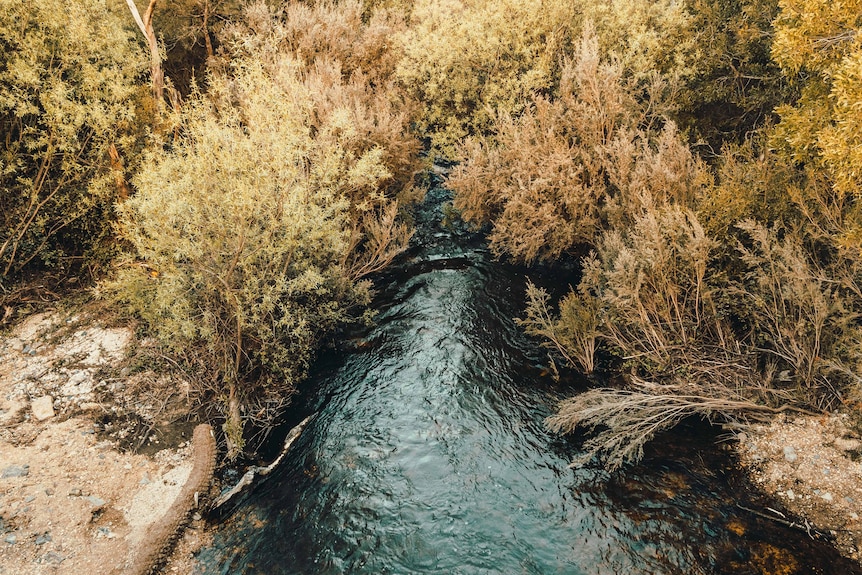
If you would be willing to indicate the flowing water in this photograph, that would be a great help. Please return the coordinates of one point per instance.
(428, 454)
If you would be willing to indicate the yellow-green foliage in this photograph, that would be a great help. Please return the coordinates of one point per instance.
(348, 63)
(735, 85)
(68, 73)
(568, 168)
(253, 227)
(751, 182)
(645, 36)
(466, 60)
(821, 41)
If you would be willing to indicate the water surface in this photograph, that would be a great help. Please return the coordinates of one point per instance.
(428, 454)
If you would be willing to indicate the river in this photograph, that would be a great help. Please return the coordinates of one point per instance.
(428, 454)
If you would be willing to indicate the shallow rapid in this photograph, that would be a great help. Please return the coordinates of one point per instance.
(428, 454)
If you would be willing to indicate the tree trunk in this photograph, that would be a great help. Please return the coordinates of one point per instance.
(146, 26)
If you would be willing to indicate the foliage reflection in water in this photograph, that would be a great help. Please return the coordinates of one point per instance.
(429, 455)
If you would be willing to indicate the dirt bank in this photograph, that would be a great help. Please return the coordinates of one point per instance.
(71, 500)
(811, 466)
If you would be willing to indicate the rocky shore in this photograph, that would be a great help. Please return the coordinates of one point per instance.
(812, 466)
(71, 500)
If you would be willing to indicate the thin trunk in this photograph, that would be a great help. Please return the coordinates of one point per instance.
(207, 39)
(146, 26)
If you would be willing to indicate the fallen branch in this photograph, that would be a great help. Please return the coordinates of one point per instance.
(262, 471)
(804, 526)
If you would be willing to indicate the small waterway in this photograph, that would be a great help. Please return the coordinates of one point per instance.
(428, 454)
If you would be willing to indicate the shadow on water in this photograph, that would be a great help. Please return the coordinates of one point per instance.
(429, 455)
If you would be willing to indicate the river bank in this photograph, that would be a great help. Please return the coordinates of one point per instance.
(74, 499)
(811, 465)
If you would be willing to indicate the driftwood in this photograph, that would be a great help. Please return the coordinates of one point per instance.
(262, 471)
(157, 546)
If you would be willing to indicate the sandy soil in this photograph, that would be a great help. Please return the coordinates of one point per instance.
(71, 502)
(811, 465)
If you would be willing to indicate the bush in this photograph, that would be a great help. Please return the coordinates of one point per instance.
(570, 167)
(68, 87)
(348, 62)
(254, 228)
(650, 295)
(468, 61)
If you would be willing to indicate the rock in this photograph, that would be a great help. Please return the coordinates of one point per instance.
(75, 493)
(95, 501)
(790, 495)
(15, 471)
(43, 408)
(11, 539)
(53, 557)
(827, 497)
(42, 539)
(848, 444)
(790, 454)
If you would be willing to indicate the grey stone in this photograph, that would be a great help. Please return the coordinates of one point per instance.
(15, 471)
(43, 408)
(790, 454)
(75, 493)
(11, 539)
(53, 557)
(42, 539)
(29, 498)
(95, 501)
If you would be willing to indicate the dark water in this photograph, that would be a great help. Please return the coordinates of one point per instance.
(428, 455)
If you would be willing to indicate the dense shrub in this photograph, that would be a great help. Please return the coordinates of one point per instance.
(732, 84)
(819, 46)
(254, 227)
(570, 167)
(467, 61)
(68, 87)
(781, 336)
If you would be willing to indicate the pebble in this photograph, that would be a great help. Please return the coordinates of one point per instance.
(790, 454)
(42, 539)
(11, 539)
(827, 497)
(29, 498)
(95, 501)
(15, 471)
(53, 557)
(790, 495)
(43, 407)
(75, 493)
